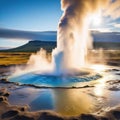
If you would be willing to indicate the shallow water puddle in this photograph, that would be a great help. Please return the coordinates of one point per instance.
(66, 102)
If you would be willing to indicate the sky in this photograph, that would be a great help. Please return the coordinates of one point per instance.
(38, 15)
(30, 15)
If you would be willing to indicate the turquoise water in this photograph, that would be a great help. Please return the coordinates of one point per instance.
(53, 81)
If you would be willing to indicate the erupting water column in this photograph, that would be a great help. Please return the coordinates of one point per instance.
(73, 38)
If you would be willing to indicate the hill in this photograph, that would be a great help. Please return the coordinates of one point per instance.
(33, 46)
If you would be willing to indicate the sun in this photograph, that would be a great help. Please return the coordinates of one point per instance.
(96, 19)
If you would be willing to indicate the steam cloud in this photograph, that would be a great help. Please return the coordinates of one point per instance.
(113, 9)
(73, 37)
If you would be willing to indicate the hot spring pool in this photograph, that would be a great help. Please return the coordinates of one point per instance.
(64, 101)
(52, 81)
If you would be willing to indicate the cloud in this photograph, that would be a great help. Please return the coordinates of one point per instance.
(101, 29)
(27, 35)
(117, 25)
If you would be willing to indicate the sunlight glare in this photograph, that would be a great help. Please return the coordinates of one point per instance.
(99, 90)
(98, 68)
(96, 19)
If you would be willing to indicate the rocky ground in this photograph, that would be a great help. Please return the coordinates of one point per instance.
(14, 112)
(17, 112)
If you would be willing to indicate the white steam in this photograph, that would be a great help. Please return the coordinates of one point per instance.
(73, 38)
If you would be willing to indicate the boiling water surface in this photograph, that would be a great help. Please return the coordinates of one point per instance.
(53, 81)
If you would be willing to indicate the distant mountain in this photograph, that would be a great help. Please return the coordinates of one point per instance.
(33, 46)
(47, 39)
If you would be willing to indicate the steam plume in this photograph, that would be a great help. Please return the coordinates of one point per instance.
(73, 37)
(113, 9)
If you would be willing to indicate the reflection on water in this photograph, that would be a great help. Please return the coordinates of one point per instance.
(72, 102)
(64, 101)
(44, 101)
(99, 88)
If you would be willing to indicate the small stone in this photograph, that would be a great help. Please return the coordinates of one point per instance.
(87, 117)
(22, 109)
(116, 114)
(3, 80)
(22, 117)
(103, 118)
(47, 116)
(1, 98)
(9, 114)
(7, 94)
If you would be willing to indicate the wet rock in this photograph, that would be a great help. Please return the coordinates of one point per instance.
(22, 117)
(3, 92)
(104, 118)
(87, 117)
(116, 114)
(115, 70)
(3, 80)
(74, 118)
(7, 94)
(48, 116)
(111, 82)
(87, 86)
(114, 88)
(24, 108)
(113, 63)
(117, 73)
(2, 98)
(9, 114)
(73, 87)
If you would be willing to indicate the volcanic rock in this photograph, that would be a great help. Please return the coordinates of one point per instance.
(9, 114)
(47, 116)
(2, 98)
(116, 114)
(87, 117)
(22, 117)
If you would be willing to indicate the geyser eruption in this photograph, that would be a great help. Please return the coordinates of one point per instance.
(73, 39)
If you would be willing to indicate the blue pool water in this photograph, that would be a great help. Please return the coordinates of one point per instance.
(52, 81)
